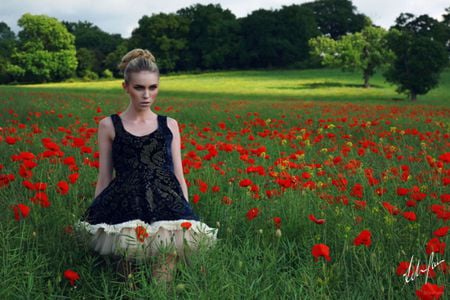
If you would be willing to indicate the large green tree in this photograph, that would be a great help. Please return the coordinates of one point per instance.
(7, 45)
(420, 55)
(337, 17)
(213, 40)
(93, 45)
(276, 38)
(45, 52)
(363, 51)
(165, 35)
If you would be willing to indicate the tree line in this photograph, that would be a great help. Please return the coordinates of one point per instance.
(208, 37)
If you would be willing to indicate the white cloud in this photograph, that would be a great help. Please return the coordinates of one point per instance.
(122, 16)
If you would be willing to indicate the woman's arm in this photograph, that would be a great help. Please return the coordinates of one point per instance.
(105, 156)
(176, 155)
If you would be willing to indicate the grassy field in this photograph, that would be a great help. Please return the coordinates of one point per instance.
(369, 163)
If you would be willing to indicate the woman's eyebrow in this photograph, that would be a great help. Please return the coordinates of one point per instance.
(152, 85)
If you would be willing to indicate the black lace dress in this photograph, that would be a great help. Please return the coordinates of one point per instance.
(143, 211)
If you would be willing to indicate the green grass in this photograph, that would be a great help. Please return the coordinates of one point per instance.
(297, 108)
(320, 84)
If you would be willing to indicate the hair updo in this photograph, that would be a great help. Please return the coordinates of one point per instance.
(137, 60)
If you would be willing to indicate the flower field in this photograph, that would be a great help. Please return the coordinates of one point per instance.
(314, 198)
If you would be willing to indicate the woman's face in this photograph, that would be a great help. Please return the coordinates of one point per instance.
(142, 88)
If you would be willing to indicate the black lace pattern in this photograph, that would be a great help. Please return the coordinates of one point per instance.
(145, 186)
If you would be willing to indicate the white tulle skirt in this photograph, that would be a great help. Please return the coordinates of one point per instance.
(125, 240)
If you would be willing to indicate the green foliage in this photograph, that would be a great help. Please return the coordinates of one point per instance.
(212, 38)
(276, 38)
(87, 37)
(45, 52)
(87, 61)
(7, 45)
(336, 18)
(107, 74)
(418, 63)
(88, 75)
(363, 51)
(165, 35)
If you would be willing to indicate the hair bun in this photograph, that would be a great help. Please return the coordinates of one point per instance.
(133, 54)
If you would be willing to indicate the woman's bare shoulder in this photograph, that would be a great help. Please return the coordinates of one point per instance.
(106, 124)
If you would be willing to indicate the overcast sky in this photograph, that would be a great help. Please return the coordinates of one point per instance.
(122, 16)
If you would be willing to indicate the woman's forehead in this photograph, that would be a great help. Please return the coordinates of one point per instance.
(144, 78)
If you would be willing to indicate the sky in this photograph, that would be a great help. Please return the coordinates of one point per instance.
(122, 16)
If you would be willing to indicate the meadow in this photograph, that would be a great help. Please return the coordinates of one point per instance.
(321, 189)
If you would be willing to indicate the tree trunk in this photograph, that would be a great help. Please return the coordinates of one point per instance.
(413, 96)
(366, 81)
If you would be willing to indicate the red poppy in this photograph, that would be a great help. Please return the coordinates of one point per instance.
(245, 182)
(430, 291)
(71, 276)
(320, 250)
(73, 177)
(402, 191)
(363, 238)
(277, 221)
(409, 215)
(440, 232)
(252, 213)
(21, 210)
(62, 187)
(196, 198)
(445, 157)
(141, 233)
(435, 245)
(315, 220)
(403, 267)
(393, 210)
(186, 225)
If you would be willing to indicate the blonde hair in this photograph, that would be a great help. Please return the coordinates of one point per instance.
(137, 60)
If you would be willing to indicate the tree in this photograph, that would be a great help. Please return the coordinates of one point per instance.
(337, 17)
(87, 37)
(276, 38)
(212, 39)
(363, 51)
(165, 35)
(7, 45)
(418, 62)
(45, 52)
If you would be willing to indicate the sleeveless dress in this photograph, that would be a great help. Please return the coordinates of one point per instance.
(143, 212)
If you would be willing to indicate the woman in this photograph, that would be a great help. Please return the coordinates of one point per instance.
(143, 211)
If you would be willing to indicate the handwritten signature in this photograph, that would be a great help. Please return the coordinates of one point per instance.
(410, 277)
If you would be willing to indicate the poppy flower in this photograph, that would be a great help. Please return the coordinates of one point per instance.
(141, 233)
(73, 177)
(363, 238)
(445, 157)
(393, 210)
(430, 291)
(315, 220)
(196, 198)
(252, 213)
(409, 215)
(21, 210)
(62, 187)
(440, 232)
(277, 221)
(320, 250)
(245, 182)
(403, 267)
(435, 245)
(186, 225)
(71, 276)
